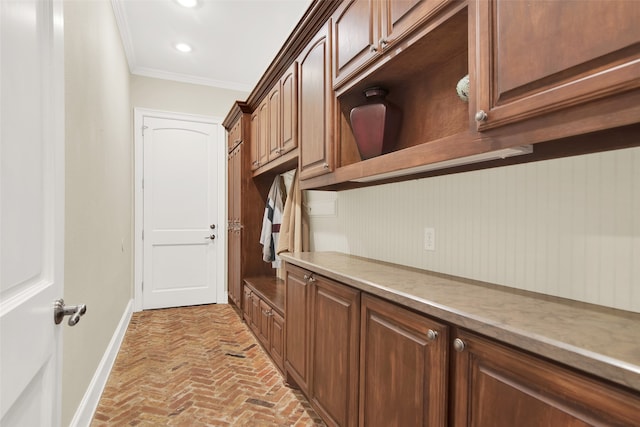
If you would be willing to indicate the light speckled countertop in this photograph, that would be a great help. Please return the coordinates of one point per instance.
(594, 339)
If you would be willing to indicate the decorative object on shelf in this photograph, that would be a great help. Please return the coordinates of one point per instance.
(375, 124)
(463, 88)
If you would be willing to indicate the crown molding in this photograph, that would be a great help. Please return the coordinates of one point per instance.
(185, 78)
(125, 36)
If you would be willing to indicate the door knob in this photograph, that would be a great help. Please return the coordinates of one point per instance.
(75, 311)
(212, 226)
(213, 236)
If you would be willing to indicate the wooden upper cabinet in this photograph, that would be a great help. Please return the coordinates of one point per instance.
(539, 57)
(355, 37)
(315, 106)
(255, 140)
(364, 29)
(398, 17)
(235, 134)
(289, 102)
(273, 113)
(403, 367)
(264, 133)
(499, 386)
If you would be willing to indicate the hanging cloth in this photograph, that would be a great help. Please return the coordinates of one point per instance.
(271, 222)
(294, 232)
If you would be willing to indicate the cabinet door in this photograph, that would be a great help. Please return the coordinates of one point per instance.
(230, 216)
(255, 140)
(401, 16)
(264, 329)
(247, 306)
(256, 316)
(315, 106)
(289, 121)
(355, 37)
(498, 386)
(403, 367)
(273, 112)
(297, 307)
(334, 351)
(276, 340)
(263, 135)
(538, 57)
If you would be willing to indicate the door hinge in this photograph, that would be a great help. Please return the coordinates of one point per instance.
(142, 234)
(143, 183)
(142, 284)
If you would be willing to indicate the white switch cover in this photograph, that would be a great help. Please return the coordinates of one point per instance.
(429, 239)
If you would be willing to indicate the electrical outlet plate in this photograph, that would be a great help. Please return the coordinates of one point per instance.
(429, 239)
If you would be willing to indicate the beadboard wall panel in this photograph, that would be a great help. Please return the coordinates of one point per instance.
(566, 227)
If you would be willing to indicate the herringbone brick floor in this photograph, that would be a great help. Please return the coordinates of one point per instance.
(197, 366)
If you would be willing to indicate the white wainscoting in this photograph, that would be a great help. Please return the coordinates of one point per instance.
(566, 227)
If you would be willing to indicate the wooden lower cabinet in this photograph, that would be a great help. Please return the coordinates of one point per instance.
(276, 342)
(403, 367)
(263, 313)
(297, 341)
(498, 386)
(362, 360)
(335, 332)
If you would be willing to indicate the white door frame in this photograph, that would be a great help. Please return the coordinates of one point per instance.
(221, 267)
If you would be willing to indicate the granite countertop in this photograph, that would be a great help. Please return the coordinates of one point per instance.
(598, 340)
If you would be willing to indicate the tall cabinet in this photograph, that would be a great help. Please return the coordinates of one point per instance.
(245, 201)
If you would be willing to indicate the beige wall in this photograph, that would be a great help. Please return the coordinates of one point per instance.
(98, 219)
(567, 227)
(179, 97)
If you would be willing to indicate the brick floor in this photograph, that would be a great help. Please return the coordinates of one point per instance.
(197, 366)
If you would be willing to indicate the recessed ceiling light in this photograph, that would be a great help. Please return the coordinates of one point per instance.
(188, 3)
(183, 47)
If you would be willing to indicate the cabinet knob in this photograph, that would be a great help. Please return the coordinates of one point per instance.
(459, 345)
(372, 49)
(306, 277)
(432, 335)
(312, 279)
(384, 42)
(481, 116)
(325, 165)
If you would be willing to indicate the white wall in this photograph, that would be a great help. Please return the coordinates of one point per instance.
(98, 229)
(164, 95)
(566, 227)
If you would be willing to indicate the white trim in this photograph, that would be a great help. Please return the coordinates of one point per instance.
(125, 35)
(188, 78)
(221, 265)
(89, 404)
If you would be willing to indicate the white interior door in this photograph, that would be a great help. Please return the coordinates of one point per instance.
(181, 202)
(31, 210)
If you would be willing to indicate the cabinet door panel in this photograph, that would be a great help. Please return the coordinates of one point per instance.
(401, 16)
(355, 33)
(289, 131)
(335, 332)
(277, 340)
(315, 107)
(265, 321)
(255, 140)
(499, 386)
(273, 140)
(256, 316)
(264, 134)
(297, 306)
(247, 307)
(403, 375)
(538, 57)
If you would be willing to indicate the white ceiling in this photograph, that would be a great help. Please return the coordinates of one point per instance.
(233, 41)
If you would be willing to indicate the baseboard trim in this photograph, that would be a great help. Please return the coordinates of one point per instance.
(89, 403)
